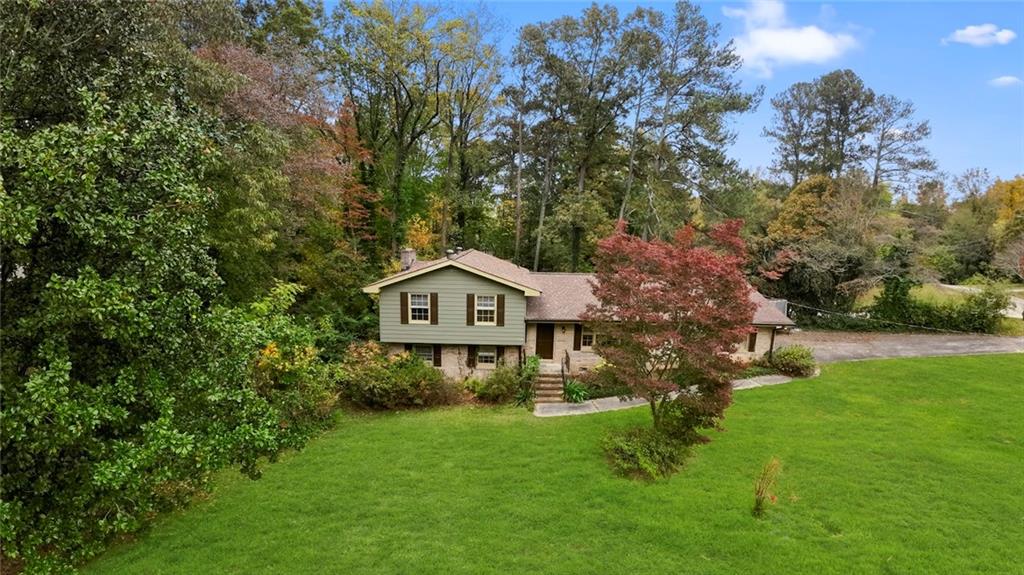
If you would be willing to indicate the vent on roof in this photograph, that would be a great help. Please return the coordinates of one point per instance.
(449, 253)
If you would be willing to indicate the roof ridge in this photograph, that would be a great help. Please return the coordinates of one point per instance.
(564, 273)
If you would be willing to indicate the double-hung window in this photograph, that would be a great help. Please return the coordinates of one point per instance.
(486, 309)
(487, 356)
(587, 339)
(419, 308)
(424, 352)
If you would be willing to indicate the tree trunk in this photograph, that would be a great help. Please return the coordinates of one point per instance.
(575, 248)
(396, 196)
(878, 163)
(543, 206)
(519, 191)
(632, 156)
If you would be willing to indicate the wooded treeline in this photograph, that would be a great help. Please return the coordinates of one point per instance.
(347, 135)
(194, 192)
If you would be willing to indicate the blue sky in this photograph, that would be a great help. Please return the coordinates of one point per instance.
(912, 50)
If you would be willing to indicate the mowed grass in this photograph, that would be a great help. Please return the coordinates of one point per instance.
(895, 466)
(932, 293)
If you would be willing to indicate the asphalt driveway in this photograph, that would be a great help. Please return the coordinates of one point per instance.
(831, 346)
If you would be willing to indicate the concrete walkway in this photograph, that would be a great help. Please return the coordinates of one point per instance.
(615, 404)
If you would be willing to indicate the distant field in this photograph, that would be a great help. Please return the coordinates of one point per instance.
(893, 466)
(928, 292)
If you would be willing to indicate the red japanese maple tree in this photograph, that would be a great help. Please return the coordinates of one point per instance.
(670, 316)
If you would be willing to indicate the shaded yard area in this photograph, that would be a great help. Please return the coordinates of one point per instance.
(898, 466)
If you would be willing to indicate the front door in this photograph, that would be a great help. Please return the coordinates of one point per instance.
(546, 340)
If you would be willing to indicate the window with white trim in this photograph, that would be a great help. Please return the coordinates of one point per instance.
(424, 352)
(486, 309)
(419, 308)
(587, 339)
(487, 356)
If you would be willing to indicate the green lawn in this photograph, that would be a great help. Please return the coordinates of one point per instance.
(897, 466)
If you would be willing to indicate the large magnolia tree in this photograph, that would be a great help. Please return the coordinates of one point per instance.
(670, 316)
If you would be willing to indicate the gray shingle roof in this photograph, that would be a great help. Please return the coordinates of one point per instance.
(565, 296)
(478, 260)
(767, 312)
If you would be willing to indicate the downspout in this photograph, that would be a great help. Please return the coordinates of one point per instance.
(771, 343)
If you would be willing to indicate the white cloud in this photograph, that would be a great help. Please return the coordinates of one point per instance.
(1005, 81)
(770, 40)
(981, 35)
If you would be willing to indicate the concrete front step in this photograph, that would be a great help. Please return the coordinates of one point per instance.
(548, 388)
(539, 399)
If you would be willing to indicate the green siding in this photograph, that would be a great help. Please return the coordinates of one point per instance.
(452, 285)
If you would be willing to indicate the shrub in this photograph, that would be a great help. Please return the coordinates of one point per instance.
(527, 378)
(369, 378)
(472, 384)
(756, 369)
(791, 360)
(500, 386)
(977, 280)
(507, 383)
(979, 312)
(601, 382)
(764, 486)
(697, 407)
(644, 453)
(575, 392)
(524, 397)
(529, 371)
(149, 427)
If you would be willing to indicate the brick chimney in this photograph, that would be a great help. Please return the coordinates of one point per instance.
(408, 257)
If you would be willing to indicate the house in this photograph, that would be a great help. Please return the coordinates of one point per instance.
(469, 311)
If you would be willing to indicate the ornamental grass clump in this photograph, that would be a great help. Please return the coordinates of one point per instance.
(764, 486)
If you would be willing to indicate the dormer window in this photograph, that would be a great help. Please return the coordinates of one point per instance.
(419, 308)
(486, 310)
